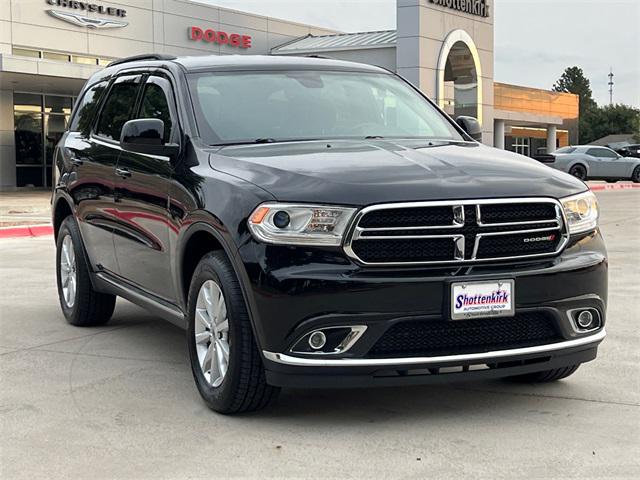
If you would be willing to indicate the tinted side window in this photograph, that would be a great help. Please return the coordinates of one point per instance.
(155, 103)
(118, 107)
(86, 108)
(565, 150)
(594, 152)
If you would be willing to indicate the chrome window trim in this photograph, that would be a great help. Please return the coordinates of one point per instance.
(354, 232)
(471, 357)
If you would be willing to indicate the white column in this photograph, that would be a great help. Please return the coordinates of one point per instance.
(551, 138)
(498, 133)
(7, 142)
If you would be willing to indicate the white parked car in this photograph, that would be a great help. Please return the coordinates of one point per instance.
(595, 163)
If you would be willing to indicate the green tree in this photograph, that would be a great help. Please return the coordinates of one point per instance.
(612, 119)
(574, 81)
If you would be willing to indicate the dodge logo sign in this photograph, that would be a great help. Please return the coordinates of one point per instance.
(546, 238)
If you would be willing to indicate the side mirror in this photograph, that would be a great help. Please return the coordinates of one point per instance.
(471, 126)
(145, 135)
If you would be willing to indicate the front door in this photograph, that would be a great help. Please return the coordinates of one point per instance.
(142, 199)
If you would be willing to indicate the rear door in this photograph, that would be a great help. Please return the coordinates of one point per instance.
(142, 199)
(95, 189)
(91, 179)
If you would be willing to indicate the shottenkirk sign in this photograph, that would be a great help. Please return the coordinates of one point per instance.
(479, 8)
(238, 40)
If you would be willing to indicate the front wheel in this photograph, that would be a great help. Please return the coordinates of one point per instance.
(579, 172)
(81, 304)
(225, 361)
(546, 375)
(635, 176)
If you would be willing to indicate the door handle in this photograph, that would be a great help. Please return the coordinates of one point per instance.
(123, 172)
(75, 160)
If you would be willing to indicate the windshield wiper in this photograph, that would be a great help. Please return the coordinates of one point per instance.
(266, 140)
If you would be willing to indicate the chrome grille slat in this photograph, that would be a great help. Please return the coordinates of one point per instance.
(469, 231)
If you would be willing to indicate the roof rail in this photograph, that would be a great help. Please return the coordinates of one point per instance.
(144, 56)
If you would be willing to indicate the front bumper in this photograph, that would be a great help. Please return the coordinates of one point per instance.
(292, 291)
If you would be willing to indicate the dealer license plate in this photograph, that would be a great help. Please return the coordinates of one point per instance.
(482, 299)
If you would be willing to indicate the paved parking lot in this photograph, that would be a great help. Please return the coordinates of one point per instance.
(119, 401)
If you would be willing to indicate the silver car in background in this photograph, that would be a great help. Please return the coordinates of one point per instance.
(595, 163)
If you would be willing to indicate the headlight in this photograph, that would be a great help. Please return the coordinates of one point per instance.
(288, 224)
(581, 211)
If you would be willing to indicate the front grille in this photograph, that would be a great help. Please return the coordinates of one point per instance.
(424, 338)
(456, 232)
(402, 250)
(408, 217)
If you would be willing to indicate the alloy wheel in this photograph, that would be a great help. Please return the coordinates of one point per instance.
(68, 275)
(212, 333)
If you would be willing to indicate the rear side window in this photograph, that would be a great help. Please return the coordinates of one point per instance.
(566, 150)
(118, 107)
(86, 108)
(155, 103)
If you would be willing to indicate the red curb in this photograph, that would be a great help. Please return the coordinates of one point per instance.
(614, 186)
(26, 231)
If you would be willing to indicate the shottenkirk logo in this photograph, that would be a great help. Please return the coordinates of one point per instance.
(546, 238)
(80, 18)
(479, 8)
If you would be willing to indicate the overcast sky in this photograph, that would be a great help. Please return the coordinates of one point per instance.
(534, 39)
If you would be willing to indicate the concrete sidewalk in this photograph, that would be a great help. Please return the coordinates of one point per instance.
(25, 207)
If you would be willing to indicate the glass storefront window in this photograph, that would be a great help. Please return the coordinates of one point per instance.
(28, 136)
(39, 123)
(84, 60)
(56, 104)
(26, 52)
(59, 57)
(27, 102)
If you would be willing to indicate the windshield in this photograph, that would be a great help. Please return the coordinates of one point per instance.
(238, 107)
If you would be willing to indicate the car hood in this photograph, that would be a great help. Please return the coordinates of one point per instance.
(364, 172)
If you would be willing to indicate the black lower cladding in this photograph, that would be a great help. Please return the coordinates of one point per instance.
(423, 338)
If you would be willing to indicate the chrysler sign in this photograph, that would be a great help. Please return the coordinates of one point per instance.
(76, 14)
(88, 7)
(479, 8)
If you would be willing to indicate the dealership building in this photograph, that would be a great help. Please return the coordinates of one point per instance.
(48, 48)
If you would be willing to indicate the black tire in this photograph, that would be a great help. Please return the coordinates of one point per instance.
(244, 387)
(546, 376)
(89, 308)
(635, 176)
(579, 171)
(612, 181)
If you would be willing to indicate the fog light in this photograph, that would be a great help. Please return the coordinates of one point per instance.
(585, 319)
(317, 340)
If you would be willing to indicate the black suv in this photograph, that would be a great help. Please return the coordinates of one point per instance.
(319, 223)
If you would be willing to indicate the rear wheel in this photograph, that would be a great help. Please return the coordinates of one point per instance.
(578, 171)
(81, 304)
(635, 176)
(225, 361)
(546, 375)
